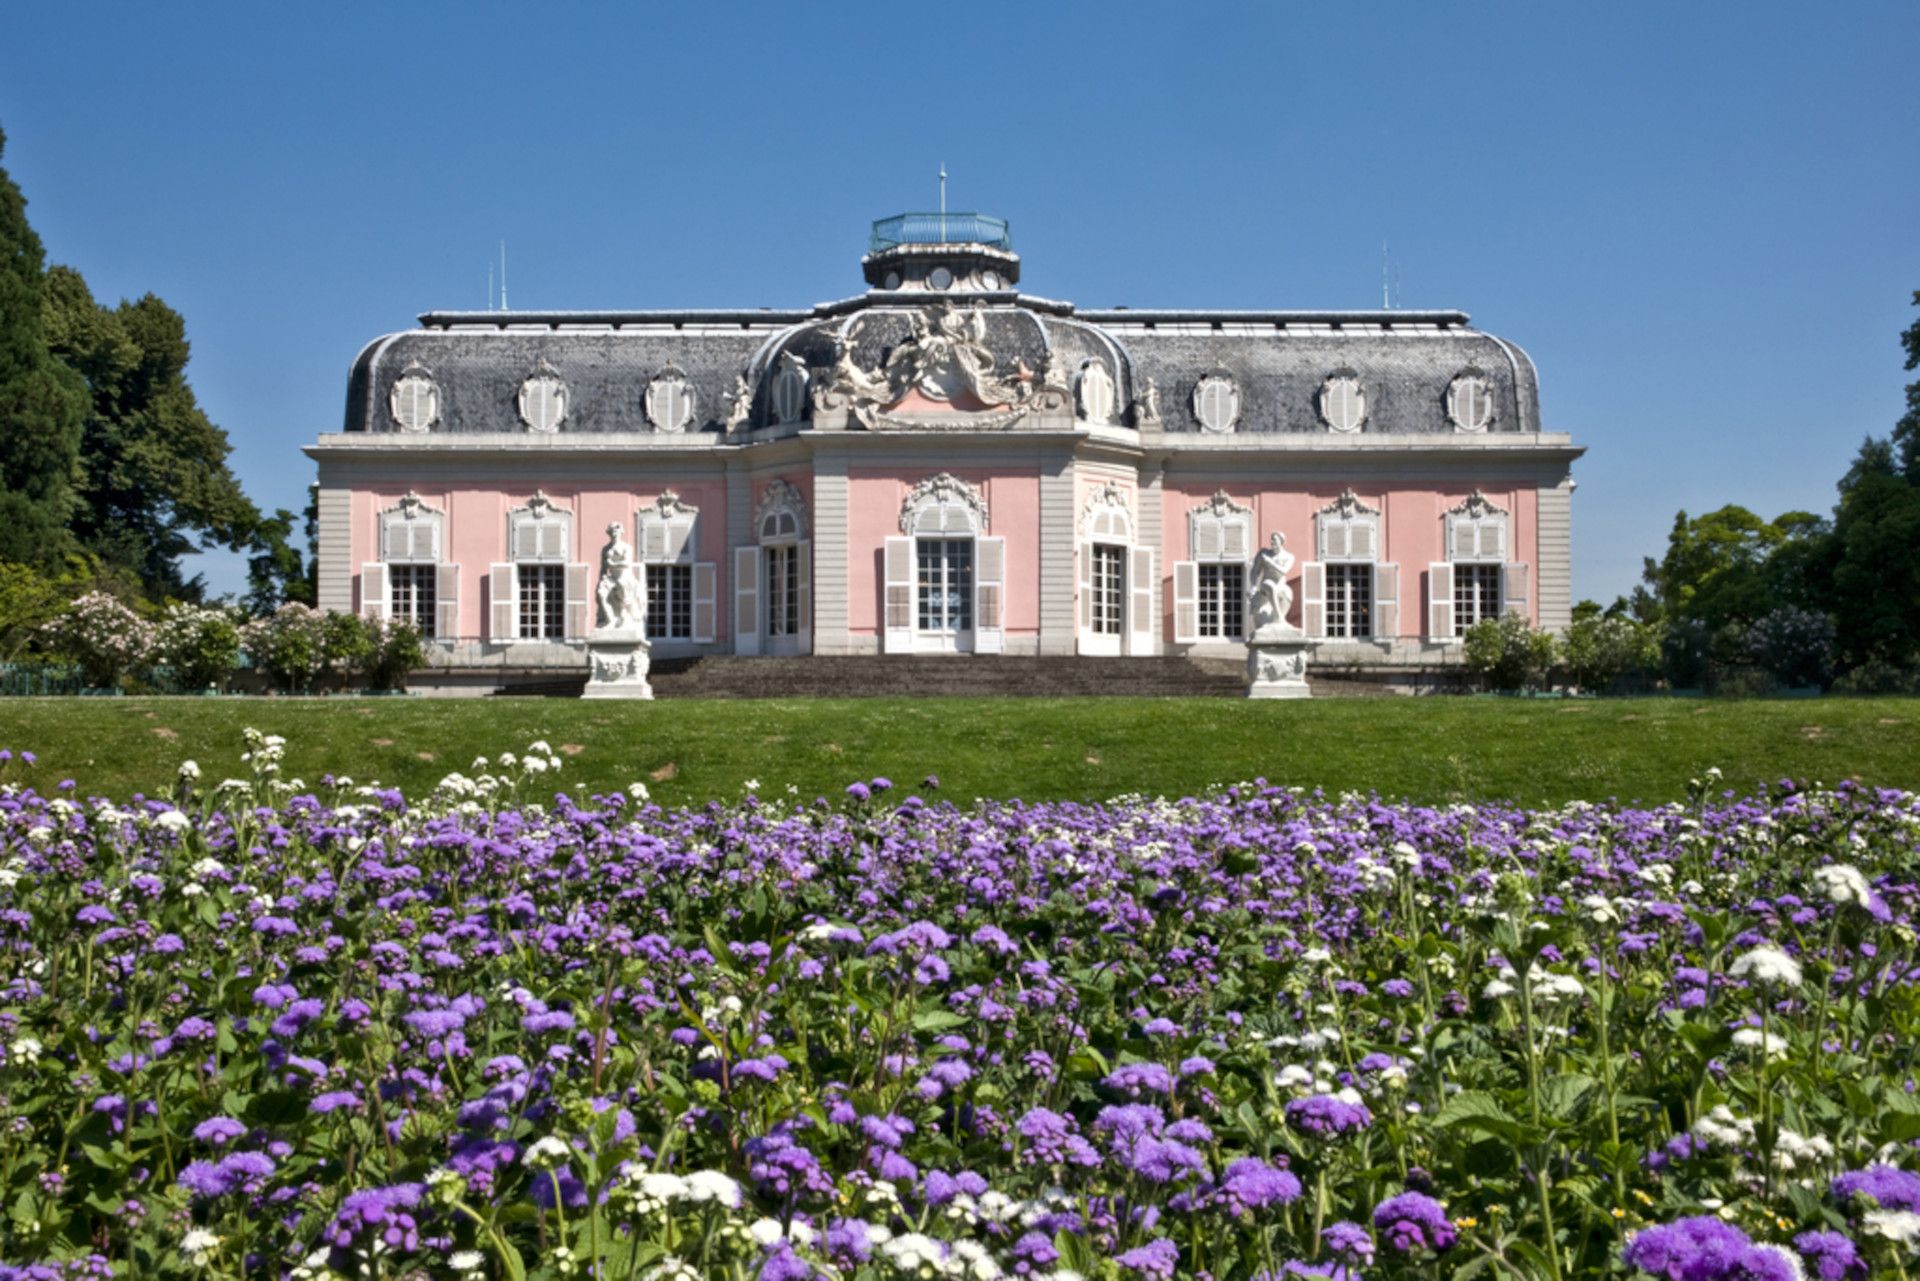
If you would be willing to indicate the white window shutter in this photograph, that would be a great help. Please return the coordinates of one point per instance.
(1186, 602)
(1236, 538)
(373, 590)
(1143, 606)
(1493, 539)
(1085, 560)
(1206, 538)
(423, 540)
(553, 539)
(989, 595)
(1386, 601)
(680, 538)
(1466, 546)
(526, 540)
(393, 539)
(579, 601)
(704, 606)
(896, 601)
(746, 599)
(1513, 587)
(1360, 542)
(803, 592)
(446, 602)
(500, 602)
(1313, 599)
(653, 542)
(1440, 602)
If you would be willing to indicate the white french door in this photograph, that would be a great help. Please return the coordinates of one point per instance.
(943, 593)
(1105, 609)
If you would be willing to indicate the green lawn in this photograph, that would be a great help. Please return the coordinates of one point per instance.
(1430, 749)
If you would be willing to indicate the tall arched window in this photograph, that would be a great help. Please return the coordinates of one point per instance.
(1112, 571)
(944, 578)
(773, 577)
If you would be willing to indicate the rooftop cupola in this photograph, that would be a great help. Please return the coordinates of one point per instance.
(942, 253)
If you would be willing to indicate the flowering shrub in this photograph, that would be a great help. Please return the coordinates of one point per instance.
(264, 1028)
(290, 645)
(201, 645)
(103, 636)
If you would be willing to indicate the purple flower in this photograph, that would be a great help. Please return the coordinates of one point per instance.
(1252, 1184)
(1702, 1248)
(384, 1211)
(333, 1100)
(1890, 1187)
(1136, 1078)
(1412, 1222)
(1326, 1115)
(782, 1264)
(1164, 1160)
(1830, 1256)
(435, 1024)
(218, 1130)
(1157, 1258)
(1350, 1241)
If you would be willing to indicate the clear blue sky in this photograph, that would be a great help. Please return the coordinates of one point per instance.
(1702, 220)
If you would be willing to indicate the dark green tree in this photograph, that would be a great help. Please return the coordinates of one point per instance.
(42, 403)
(154, 482)
(276, 571)
(1906, 432)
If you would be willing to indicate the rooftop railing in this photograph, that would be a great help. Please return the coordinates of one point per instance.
(940, 229)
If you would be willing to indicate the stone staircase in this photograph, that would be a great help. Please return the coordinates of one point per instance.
(934, 676)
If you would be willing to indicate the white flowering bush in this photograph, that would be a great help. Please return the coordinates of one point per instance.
(200, 644)
(290, 645)
(107, 639)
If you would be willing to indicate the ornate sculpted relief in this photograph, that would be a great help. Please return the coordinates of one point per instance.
(1096, 393)
(1476, 507)
(788, 395)
(543, 399)
(666, 507)
(946, 359)
(1220, 506)
(414, 399)
(943, 489)
(780, 495)
(1146, 407)
(669, 400)
(1347, 506)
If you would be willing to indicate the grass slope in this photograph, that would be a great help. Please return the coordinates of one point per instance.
(1428, 749)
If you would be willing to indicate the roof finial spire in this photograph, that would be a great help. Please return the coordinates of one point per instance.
(503, 275)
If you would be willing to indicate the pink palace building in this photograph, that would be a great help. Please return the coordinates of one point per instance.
(944, 464)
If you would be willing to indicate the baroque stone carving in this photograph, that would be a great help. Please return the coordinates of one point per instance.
(1146, 407)
(1476, 507)
(1216, 402)
(777, 495)
(1343, 401)
(1470, 401)
(740, 405)
(414, 399)
(1221, 506)
(787, 394)
(1267, 589)
(1348, 506)
(944, 487)
(667, 506)
(1108, 497)
(540, 506)
(621, 596)
(1096, 393)
(944, 357)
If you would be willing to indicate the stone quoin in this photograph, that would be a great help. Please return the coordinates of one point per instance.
(944, 464)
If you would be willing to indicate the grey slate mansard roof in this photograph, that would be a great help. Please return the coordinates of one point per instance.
(1405, 360)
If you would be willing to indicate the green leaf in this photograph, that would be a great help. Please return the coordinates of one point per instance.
(934, 1019)
(1564, 1095)
(1476, 1110)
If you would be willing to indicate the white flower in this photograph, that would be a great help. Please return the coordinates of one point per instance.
(199, 1245)
(766, 1232)
(638, 791)
(1902, 1226)
(711, 1185)
(672, 1268)
(548, 1152)
(466, 1260)
(1843, 884)
(913, 1251)
(1722, 1127)
(662, 1186)
(1752, 1038)
(751, 785)
(189, 771)
(26, 1049)
(1768, 966)
(173, 821)
(540, 748)
(1600, 910)
(1792, 1150)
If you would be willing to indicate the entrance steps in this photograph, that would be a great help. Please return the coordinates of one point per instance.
(936, 676)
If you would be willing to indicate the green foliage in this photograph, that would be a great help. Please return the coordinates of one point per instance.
(290, 646)
(1794, 646)
(276, 571)
(29, 600)
(42, 403)
(201, 646)
(1599, 651)
(1508, 653)
(393, 651)
(154, 478)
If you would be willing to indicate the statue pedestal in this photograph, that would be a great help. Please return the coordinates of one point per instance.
(1277, 663)
(617, 665)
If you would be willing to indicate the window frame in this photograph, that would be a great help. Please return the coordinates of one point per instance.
(545, 607)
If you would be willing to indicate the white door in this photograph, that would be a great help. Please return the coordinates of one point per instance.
(943, 594)
(1106, 584)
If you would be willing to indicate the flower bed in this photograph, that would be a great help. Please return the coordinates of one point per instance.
(267, 1029)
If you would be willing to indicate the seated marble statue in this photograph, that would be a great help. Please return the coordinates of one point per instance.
(622, 596)
(1268, 593)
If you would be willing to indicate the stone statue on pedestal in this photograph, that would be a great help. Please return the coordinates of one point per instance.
(622, 596)
(1268, 593)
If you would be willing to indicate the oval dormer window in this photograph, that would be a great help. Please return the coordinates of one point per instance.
(669, 401)
(1216, 403)
(940, 278)
(414, 400)
(788, 395)
(1343, 402)
(1470, 401)
(1096, 393)
(543, 400)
